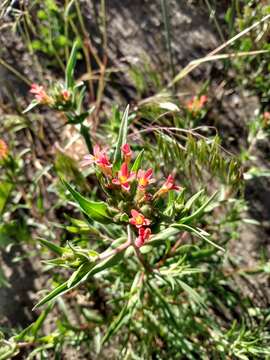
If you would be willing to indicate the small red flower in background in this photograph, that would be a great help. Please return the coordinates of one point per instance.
(127, 153)
(40, 94)
(100, 159)
(144, 235)
(196, 104)
(138, 219)
(167, 186)
(144, 178)
(3, 149)
(66, 95)
(124, 177)
(266, 118)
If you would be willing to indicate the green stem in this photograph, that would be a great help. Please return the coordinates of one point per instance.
(165, 16)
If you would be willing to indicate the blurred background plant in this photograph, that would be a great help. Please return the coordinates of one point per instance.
(200, 302)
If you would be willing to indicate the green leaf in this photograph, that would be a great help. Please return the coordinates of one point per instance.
(193, 199)
(122, 139)
(8, 349)
(71, 66)
(31, 106)
(84, 130)
(3, 281)
(68, 8)
(97, 211)
(162, 236)
(5, 190)
(40, 320)
(78, 119)
(137, 162)
(109, 262)
(198, 233)
(127, 311)
(191, 292)
(80, 98)
(80, 276)
(53, 247)
(122, 318)
(59, 290)
(63, 288)
(197, 214)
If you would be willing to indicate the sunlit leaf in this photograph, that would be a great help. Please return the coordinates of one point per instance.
(71, 66)
(122, 138)
(97, 211)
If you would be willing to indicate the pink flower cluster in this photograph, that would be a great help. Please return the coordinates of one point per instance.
(42, 96)
(124, 178)
(100, 159)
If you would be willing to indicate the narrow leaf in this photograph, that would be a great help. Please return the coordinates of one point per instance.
(197, 214)
(137, 162)
(5, 190)
(71, 65)
(53, 247)
(122, 138)
(59, 290)
(191, 293)
(198, 233)
(97, 211)
(31, 106)
(80, 276)
(192, 200)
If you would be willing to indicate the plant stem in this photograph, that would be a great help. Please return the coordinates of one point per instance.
(84, 131)
(119, 249)
(165, 15)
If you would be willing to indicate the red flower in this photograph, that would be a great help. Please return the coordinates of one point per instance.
(196, 104)
(124, 177)
(138, 219)
(3, 149)
(100, 159)
(266, 118)
(127, 153)
(144, 235)
(144, 178)
(66, 95)
(40, 94)
(167, 186)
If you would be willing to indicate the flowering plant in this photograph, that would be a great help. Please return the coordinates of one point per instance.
(139, 212)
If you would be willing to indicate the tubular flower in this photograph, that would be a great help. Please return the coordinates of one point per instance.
(40, 94)
(65, 95)
(196, 104)
(145, 178)
(100, 159)
(167, 186)
(266, 118)
(144, 235)
(3, 149)
(124, 177)
(127, 153)
(138, 219)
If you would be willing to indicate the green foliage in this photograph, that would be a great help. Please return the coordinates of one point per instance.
(122, 139)
(253, 72)
(98, 211)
